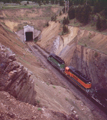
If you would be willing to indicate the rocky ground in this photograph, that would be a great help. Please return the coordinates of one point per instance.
(12, 109)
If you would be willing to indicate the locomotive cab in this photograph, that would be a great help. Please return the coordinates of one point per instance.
(78, 78)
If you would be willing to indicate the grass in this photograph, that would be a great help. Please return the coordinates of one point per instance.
(47, 83)
(28, 6)
(39, 109)
(54, 87)
(38, 101)
(66, 99)
(96, 54)
(17, 7)
(23, 60)
(7, 29)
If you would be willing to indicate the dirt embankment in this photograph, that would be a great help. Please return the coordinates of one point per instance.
(36, 16)
(85, 50)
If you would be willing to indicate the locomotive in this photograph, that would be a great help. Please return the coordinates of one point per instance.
(56, 61)
(75, 76)
(80, 80)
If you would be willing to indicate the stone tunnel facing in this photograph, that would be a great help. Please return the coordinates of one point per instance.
(29, 36)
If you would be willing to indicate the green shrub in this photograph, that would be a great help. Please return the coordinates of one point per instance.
(39, 109)
(65, 29)
(96, 54)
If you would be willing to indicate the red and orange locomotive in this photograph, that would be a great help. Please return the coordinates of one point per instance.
(78, 78)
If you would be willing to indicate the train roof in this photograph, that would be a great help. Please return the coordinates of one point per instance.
(79, 74)
(57, 58)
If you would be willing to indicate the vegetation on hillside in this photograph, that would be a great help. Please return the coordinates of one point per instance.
(85, 11)
(40, 2)
(89, 11)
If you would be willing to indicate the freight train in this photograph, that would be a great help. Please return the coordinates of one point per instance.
(80, 80)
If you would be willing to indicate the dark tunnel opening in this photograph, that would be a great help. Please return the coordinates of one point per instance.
(29, 36)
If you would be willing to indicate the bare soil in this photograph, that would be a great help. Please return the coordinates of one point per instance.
(37, 17)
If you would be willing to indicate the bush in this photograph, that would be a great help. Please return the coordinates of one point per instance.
(98, 24)
(47, 24)
(66, 21)
(27, 2)
(65, 29)
(96, 54)
(60, 13)
(101, 24)
(53, 18)
(71, 13)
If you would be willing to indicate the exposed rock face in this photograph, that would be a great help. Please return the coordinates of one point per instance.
(90, 62)
(14, 77)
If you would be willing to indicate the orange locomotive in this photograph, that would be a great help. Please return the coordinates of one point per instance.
(78, 78)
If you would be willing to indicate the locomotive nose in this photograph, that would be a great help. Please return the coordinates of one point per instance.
(67, 68)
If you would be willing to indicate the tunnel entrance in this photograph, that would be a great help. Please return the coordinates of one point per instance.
(29, 36)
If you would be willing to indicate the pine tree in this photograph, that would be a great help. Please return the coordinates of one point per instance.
(66, 21)
(65, 29)
(98, 24)
(78, 13)
(47, 1)
(52, 1)
(44, 2)
(61, 2)
(103, 24)
(71, 13)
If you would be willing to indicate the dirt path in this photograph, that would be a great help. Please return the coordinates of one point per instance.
(79, 95)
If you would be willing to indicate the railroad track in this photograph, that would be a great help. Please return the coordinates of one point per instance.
(42, 55)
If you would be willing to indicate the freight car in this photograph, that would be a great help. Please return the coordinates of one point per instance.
(100, 96)
(56, 61)
(78, 78)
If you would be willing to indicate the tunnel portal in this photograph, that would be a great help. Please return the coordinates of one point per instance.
(28, 33)
(29, 36)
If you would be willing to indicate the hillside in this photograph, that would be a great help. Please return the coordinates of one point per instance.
(51, 100)
(34, 16)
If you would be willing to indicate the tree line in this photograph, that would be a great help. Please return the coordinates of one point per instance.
(61, 2)
(93, 11)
